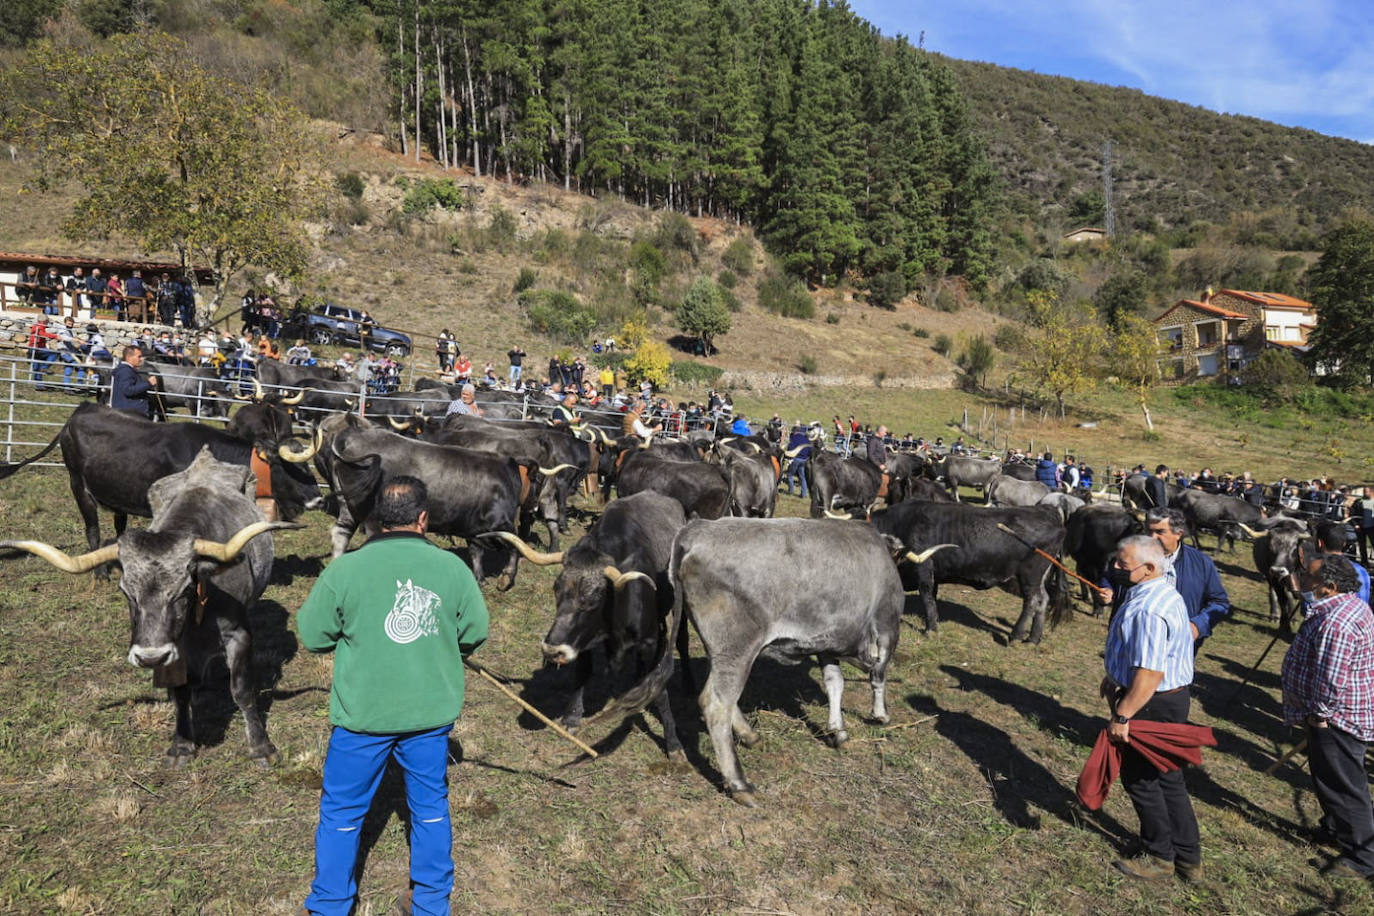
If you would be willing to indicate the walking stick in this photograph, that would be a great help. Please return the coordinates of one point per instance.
(1249, 674)
(1093, 585)
(530, 709)
(1295, 749)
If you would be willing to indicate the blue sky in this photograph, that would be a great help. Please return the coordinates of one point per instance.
(1308, 63)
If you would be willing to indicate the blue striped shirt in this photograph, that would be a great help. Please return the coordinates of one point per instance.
(1150, 630)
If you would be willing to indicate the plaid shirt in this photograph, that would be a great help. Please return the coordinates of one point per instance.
(1329, 669)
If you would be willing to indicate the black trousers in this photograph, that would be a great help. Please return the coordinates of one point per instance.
(1363, 536)
(1336, 761)
(1168, 827)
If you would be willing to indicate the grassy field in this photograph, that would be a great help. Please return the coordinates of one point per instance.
(965, 804)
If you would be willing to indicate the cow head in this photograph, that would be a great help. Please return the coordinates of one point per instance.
(166, 578)
(590, 598)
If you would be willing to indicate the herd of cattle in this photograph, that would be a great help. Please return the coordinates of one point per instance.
(689, 536)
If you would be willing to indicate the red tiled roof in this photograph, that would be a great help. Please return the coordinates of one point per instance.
(1205, 307)
(1272, 300)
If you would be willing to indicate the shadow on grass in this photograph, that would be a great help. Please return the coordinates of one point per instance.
(952, 612)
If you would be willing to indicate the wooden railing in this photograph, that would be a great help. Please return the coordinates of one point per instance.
(19, 297)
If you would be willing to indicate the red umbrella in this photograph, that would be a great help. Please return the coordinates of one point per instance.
(1167, 745)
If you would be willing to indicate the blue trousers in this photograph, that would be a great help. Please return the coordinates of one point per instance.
(797, 470)
(352, 772)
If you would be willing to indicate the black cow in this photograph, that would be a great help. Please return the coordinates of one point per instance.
(841, 484)
(190, 578)
(113, 457)
(471, 493)
(985, 556)
(1090, 537)
(754, 475)
(906, 473)
(702, 489)
(1275, 551)
(260, 422)
(740, 582)
(1018, 470)
(613, 592)
(1217, 513)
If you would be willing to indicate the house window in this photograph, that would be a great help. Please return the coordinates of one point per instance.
(1208, 333)
(1271, 332)
(1176, 369)
(1171, 338)
(1207, 365)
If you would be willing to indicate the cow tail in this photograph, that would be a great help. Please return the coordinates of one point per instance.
(1061, 597)
(647, 690)
(8, 469)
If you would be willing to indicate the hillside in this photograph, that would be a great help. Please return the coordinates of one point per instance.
(1174, 164)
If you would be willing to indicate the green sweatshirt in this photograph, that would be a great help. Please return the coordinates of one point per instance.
(400, 615)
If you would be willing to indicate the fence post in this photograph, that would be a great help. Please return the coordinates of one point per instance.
(9, 440)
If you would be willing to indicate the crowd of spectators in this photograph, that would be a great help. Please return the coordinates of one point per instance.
(172, 300)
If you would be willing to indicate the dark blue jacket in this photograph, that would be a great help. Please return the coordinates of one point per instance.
(799, 438)
(129, 391)
(1196, 578)
(1047, 472)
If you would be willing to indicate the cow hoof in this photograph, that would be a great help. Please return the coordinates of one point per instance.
(504, 583)
(678, 757)
(837, 739)
(571, 726)
(744, 797)
(179, 757)
(749, 738)
(882, 720)
(267, 757)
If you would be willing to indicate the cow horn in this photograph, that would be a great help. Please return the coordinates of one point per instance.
(63, 561)
(230, 549)
(242, 397)
(292, 402)
(300, 457)
(1252, 532)
(755, 447)
(927, 553)
(727, 440)
(526, 551)
(620, 579)
(794, 452)
(846, 517)
(605, 439)
(549, 472)
(399, 427)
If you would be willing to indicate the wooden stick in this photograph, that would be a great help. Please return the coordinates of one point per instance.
(1295, 749)
(530, 709)
(1093, 585)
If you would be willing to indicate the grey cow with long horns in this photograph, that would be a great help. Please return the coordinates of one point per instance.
(190, 578)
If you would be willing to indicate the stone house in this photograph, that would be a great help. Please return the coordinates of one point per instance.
(1085, 234)
(1217, 334)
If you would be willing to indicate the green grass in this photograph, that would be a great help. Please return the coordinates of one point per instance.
(969, 811)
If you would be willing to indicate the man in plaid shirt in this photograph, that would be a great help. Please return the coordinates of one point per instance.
(1328, 684)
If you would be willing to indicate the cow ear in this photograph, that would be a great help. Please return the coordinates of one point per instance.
(894, 544)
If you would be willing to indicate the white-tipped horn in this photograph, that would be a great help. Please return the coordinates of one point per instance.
(794, 452)
(258, 393)
(300, 457)
(63, 561)
(846, 517)
(927, 553)
(528, 552)
(1252, 532)
(399, 427)
(292, 402)
(619, 579)
(229, 550)
(727, 440)
(549, 472)
(755, 447)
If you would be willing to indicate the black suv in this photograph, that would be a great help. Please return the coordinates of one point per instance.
(337, 324)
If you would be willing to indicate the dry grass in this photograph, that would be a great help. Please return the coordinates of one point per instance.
(968, 808)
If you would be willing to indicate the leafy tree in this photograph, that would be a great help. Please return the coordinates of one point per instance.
(1341, 285)
(977, 359)
(166, 153)
(652, 361)
(1066, 343)
(703, 313)
(886, 289)
(1276, 371)
(1121, 296)
(1087, 208)
(1135, 359)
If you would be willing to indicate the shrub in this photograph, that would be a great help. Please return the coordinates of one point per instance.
(613, 358)
(728, 279)
(1043, 274)
(633, 333)
(786, 296)
(977, 359)
(920, 332)
(649, 267)
(1277, 371)
(429, 193)
(689, 373)
(467, 266)
(556, 243)
(350, 184)
(651, 361)
(675, 233)
(807, 364)
(1008, 338)
(904, 325)
(501, 226)
(885, 290)
(739, 257)
(558, 314)
(832, 318)
(947, 300)
(354, 212)
(943, 344)
(614, 303)
(731, 301)
(524, 280)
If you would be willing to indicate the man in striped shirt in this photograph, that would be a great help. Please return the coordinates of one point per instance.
(1328, 685)
(1149, 662)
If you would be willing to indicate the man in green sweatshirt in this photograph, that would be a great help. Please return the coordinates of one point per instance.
(400, 615)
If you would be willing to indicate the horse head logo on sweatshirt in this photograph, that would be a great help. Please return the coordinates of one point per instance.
(412, 614)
